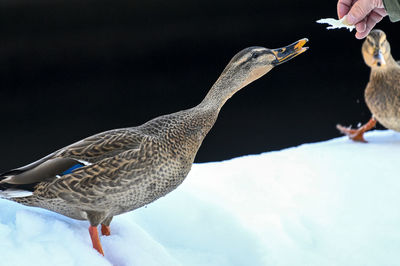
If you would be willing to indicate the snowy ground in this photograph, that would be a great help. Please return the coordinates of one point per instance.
(328, 203)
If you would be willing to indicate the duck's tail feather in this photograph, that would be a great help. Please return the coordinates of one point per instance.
(9, 191)
(21, 182)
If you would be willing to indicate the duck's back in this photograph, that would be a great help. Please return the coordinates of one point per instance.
(382, 96)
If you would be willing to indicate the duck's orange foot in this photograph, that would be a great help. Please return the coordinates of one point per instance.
(354, 134)
(357, 134)
(94, 235)
(105, 230)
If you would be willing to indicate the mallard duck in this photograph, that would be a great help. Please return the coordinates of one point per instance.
(120, 170)
(382, 93)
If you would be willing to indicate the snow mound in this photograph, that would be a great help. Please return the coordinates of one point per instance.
(328, 203)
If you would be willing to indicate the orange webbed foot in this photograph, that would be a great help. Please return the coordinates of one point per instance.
(357, 134)
(354, 134)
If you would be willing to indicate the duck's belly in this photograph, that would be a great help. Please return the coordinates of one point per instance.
(148, 190)
(56, 205)
(390, 122)
(385, 107)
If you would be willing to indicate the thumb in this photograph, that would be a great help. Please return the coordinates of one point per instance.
(359, 11)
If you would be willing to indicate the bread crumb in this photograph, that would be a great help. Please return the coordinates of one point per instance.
(336, 24)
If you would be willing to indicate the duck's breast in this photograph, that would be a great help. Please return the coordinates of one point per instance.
(382, 96)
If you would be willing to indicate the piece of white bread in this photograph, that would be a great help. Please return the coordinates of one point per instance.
(336, 24)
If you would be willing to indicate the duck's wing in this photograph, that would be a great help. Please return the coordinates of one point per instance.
(102, 145)
(63, 161)
(97, 186)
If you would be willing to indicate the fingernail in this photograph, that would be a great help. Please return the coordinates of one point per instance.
(350, 19)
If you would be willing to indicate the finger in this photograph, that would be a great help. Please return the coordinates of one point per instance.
(359, 11)
(377, 16)
(381, 11)
(361, 26)
(372, 20)
(343, 7)
(361, 35)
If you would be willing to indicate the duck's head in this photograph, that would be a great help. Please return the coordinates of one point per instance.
(376, 50)
(254, 62)
(247, 66)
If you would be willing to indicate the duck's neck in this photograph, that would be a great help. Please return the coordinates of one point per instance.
(221, 91)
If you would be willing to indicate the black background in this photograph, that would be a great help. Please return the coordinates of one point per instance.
(70, 69)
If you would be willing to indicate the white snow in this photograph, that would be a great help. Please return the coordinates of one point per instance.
(327, 203)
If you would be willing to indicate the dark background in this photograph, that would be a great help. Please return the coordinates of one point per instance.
(70, 69)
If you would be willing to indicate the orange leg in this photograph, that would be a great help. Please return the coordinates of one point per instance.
(94, 235)
(357, 134)
(105, 230)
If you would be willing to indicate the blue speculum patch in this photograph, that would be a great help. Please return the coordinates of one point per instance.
(78, 165)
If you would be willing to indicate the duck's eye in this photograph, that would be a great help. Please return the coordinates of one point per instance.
(370, 42)
(255, 55)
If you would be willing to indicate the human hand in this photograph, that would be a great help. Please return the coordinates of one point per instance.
(363, 14)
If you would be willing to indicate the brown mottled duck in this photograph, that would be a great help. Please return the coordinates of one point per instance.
(120, 170)
(382, 93)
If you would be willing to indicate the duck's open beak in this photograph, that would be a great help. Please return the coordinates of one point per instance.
(284, 54)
